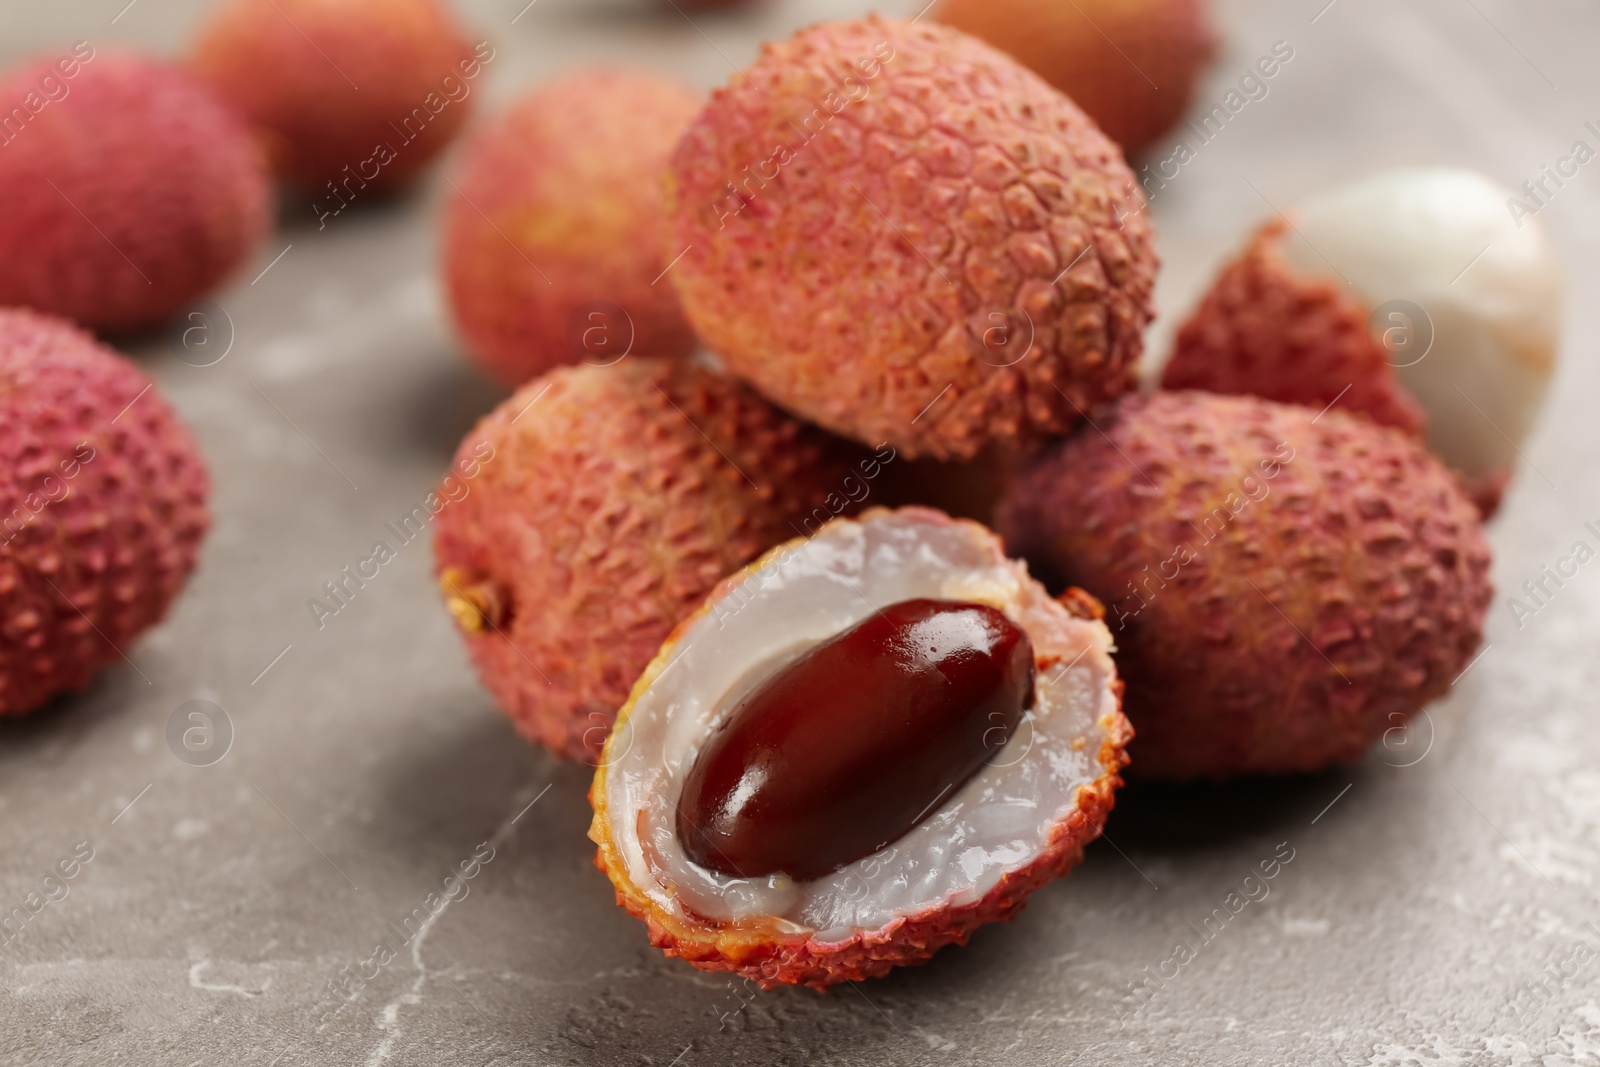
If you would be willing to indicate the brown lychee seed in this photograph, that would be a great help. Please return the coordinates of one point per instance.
(850, 745)
(595, 508)
(879, 802)
(1283, 586)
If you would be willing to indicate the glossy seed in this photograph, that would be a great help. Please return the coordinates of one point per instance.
(849, 746)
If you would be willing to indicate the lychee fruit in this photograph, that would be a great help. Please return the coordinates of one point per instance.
(1413, 297)
(344, 94)
(857, 751)
(898, 232)
(1283, 586)
(596, 507)
(102, 508)
(555, 241)
(129, 190)
(1133, 65)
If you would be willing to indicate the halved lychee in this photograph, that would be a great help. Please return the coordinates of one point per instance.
(861, 748)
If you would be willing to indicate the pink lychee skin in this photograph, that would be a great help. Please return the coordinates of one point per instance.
(901, 233)
(603, 504)
(556, 222)
(130, 196)
(1284, 587)
(102, 508)
(1264, 329)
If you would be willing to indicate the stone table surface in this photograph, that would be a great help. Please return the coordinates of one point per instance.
(1429, 885)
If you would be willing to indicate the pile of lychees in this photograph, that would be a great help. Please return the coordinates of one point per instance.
(755, 339)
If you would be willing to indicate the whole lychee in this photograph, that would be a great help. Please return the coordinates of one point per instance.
(906, 236)
(102, 508)
(860, 749)
(1131, 64)
(129, 190)
(555, 242)
(1283, 586)
(344, 94)
(595, 508)
(1412, 297)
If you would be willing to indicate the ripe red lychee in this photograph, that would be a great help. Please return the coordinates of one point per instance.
(1412, 297)
(102, 508)
(376, 86)
(601, 506)
(1131, 64)
(830, 790)
(906, 236)
(129, 190)
(1283, 587)
(555, 242)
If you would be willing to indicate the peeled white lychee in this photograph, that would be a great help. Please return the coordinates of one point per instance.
(1424, 298)
(1447, 241)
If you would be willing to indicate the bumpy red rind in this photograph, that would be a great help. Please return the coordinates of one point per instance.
(1266, 329)
(904, 235)
(771, 959)
(603, 504)
(124, 199)
(1265, 624)
(102, 508)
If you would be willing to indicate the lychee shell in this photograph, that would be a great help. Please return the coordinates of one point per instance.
(902, 234)
(613, 500)
(555, 240)
(325, 82)
(771, 959)
(102, 508)
(133, 194)
(1265, 329)
(1265, 624)
(1131, 64)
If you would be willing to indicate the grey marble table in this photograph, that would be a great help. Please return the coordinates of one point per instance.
(1427, 898)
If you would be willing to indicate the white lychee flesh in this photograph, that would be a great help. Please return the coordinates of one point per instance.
(804, 593)
(1446, 240)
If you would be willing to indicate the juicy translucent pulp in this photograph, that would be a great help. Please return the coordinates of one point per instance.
(803, 594)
